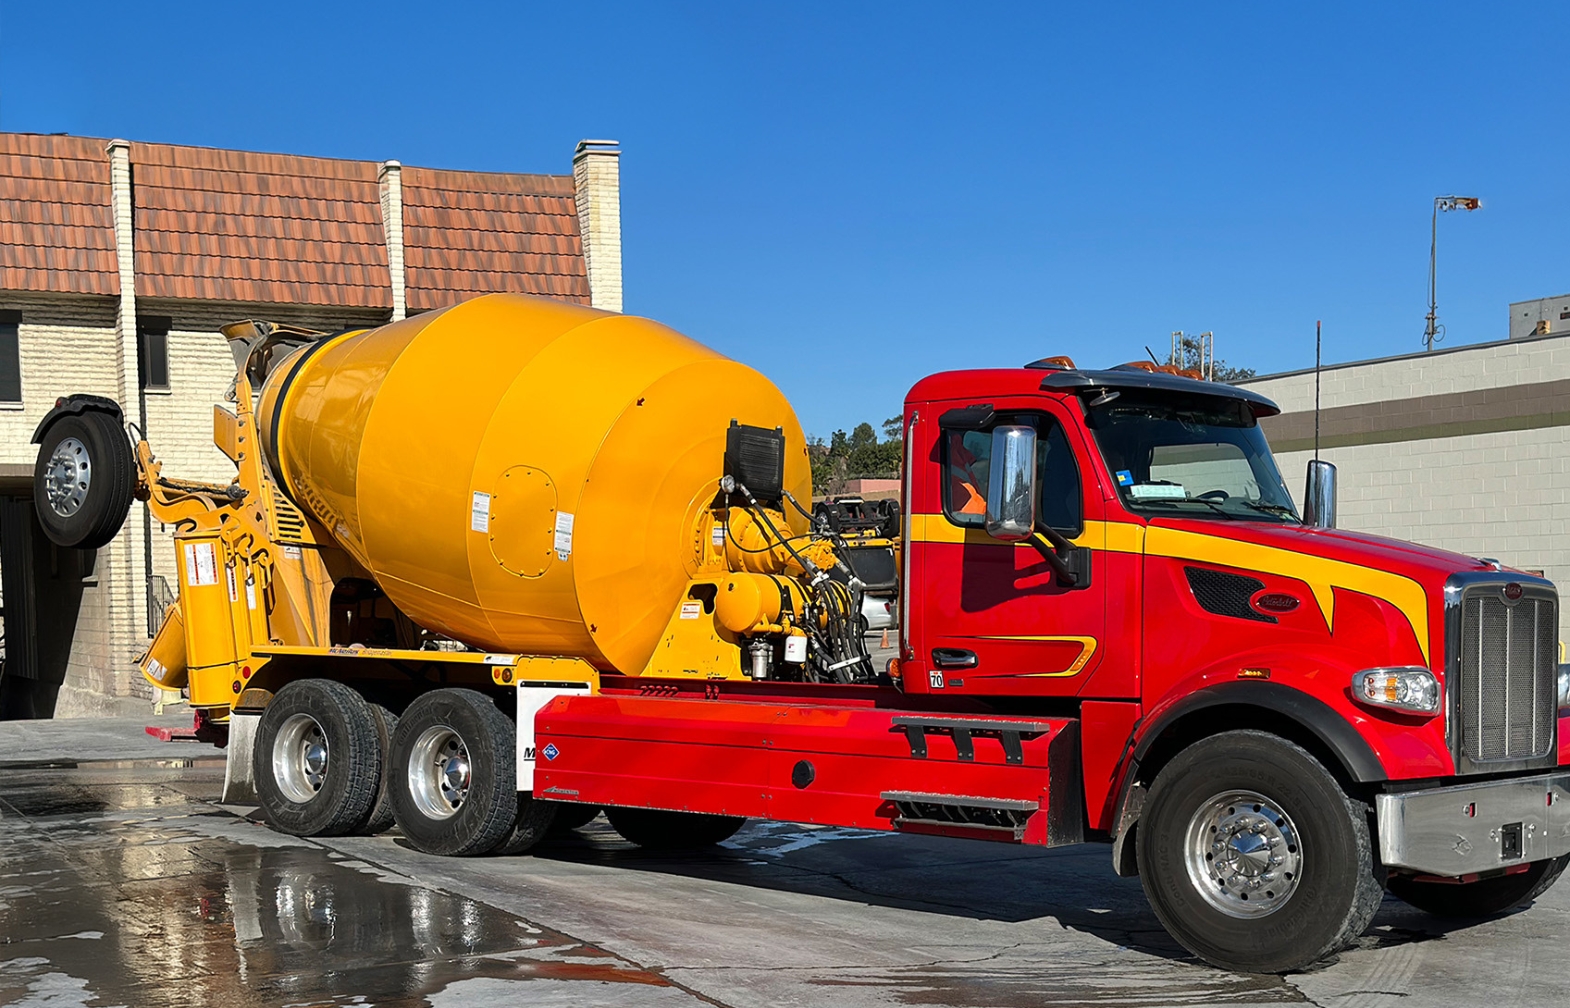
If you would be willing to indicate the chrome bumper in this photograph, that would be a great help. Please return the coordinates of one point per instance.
(1467, 828)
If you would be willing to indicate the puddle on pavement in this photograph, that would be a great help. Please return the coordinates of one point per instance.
(111, 894)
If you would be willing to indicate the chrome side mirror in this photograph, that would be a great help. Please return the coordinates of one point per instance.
(1319, 498)
(1011, 484)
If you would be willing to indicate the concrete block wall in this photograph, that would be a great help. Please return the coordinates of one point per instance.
(1503, 494)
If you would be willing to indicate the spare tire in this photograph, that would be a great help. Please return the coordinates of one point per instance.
(84, 480)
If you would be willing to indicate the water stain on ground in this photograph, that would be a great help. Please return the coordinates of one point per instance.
(114, 893)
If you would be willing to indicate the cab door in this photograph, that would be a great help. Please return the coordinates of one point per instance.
(996, 619)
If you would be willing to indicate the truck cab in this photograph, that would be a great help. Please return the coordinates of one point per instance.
(1119, 546)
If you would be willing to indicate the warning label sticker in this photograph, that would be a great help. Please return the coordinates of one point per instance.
(563, 535)
(234, 591)
(691, 610)
(480, 512)
(201, 564)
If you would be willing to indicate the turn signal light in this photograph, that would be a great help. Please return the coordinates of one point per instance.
(1408, 688)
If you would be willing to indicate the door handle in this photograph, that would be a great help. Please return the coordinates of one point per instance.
(953, 658)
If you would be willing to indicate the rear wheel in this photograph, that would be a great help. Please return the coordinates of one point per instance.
(656, 829)
(534, 820)
(454, 779)
(381, 816)
(573, 816)
(317, 764)
(83, 480)
(1253, 857)
(1483, 898)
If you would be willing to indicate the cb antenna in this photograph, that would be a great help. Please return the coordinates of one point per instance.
(1316, 389)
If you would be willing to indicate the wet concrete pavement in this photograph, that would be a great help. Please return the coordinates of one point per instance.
(122, 882)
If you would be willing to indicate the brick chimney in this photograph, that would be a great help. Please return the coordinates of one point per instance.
(596, 176)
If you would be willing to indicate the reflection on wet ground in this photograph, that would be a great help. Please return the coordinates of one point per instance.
(126, 884)
(120, 887)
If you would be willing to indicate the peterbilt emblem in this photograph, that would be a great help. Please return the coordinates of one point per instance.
(1274, 603)
(1512, 593)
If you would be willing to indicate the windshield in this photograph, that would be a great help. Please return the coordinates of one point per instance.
(1198, 456)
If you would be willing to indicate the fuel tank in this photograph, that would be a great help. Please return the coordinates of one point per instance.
(520, 474)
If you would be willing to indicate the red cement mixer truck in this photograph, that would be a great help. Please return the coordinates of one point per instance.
(486, 571)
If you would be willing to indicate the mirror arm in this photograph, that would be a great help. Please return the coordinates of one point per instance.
(1048, 542)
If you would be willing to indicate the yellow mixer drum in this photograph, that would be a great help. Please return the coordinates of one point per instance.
(520, 474)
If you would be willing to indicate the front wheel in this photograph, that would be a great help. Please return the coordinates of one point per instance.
(1253, 857)
(1483, 898)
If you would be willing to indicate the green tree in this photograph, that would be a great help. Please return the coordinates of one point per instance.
(1190, 354)
(862, 437)
(894, 428)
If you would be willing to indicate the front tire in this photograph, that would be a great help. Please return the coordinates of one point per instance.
(84, 480)
(317, 763)
(1483, 898)
(454, 785)
(656, 829)
(1253, 857)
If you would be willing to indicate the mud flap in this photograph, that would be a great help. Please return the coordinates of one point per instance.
(239, 775)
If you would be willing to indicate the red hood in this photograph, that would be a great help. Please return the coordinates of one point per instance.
(1426, 565)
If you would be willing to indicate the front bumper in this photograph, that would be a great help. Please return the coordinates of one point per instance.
(1466, 828)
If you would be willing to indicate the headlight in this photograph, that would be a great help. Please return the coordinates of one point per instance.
(1406, 689)
(1564, 689)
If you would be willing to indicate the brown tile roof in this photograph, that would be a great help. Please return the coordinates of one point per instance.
(55, 228)
(468, 233)
(225, 225)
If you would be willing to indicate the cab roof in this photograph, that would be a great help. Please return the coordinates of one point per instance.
(1023, 381)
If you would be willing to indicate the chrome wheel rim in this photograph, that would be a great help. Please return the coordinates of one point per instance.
(300, 758)
(439, 772)
(67, 475)
(1243, 854)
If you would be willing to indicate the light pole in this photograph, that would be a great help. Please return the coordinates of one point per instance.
(1432, 334)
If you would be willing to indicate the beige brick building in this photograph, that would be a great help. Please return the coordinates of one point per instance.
(1464, 448)
(118, 263)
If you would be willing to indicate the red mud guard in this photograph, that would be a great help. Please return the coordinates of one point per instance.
(994, 778)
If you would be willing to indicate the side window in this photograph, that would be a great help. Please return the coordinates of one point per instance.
(152, 339)
(10, 358)
(966, 467)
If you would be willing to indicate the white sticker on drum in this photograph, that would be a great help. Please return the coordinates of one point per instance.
(480, 512)
(691, 610)
(563, 535)
(201, 564)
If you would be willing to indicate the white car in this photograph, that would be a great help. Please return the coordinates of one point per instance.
(878, 612)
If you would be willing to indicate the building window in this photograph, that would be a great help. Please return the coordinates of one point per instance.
(152, 353)
(10, 357)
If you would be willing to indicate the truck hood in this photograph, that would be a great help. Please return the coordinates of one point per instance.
(1427, 565)
(1407, 576)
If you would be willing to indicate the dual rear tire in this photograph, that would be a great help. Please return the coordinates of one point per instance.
(328, 762)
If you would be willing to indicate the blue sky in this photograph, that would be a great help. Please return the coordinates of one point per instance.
(849, 196)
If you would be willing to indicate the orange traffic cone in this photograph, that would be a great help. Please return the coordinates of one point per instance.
(885, 642)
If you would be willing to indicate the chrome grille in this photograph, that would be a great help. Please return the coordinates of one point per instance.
(1506, 691)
